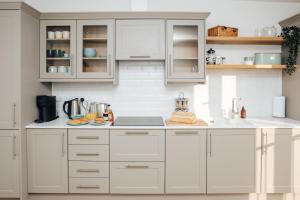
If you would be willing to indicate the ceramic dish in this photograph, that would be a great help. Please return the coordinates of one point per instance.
(98, 124)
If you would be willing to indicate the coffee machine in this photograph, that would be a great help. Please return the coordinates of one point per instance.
(47, 108)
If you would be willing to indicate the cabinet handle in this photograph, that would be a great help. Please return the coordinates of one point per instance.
(87, 154)
(14, 154)
(14, 115)
(88, 187)
(63, 144)
(140, 56)
(186, 132)
(210, 144)
(87, 137)
(137, 166)
(109, 64)
(137, 133)
(88, 171)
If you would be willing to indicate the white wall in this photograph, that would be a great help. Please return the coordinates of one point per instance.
(141, 90)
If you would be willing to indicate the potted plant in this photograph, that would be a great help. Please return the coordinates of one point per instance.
(291, 39)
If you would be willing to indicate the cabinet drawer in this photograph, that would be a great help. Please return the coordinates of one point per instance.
(86, 169)
(89, 152)
(137, 145)
(137, 177)
(89, 185)
(84, 136)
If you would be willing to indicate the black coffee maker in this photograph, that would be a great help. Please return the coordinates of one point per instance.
(47, 108)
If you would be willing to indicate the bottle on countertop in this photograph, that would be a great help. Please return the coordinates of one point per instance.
(110, 115)
(243, 113)
(105, 115)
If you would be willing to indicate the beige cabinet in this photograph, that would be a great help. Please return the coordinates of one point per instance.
(57, 49)
(185, 51)
(98, 35)
(137, 177)
(47, 161)
(10, 71)
(231, 160)
(139, 39)
(137, 145)
(295, 160)
(9, 165)
(186, 161)
(277, 163)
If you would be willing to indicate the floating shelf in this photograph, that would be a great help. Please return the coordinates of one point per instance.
(245, 40)
(95, 39)
(94, 58)
(60, 58)
(244, 66)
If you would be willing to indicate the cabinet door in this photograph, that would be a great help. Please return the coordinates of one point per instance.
(137, 177)
(295, 160)
(137, 145)
(277, 163)
(64, 43)
(10, 68)
(231, 160)
(47, 161)
(186, 161)
(186, 46)
(95, 49)
(140, 39)
(9, 165)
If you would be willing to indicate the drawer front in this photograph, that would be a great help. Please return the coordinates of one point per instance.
(137, 177)
(88, 136)
(89, 185)
(89, 152)
(137, 145)
(85, 169)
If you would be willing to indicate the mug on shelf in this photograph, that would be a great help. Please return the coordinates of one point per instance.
(66, 55)
(50, 53)
(58, 35)
(66, 34)
(52, 69)
(50, 35)
(62, 69)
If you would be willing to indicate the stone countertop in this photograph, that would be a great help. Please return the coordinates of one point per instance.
(259, 122)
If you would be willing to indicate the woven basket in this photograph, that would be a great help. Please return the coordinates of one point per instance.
(223, 31)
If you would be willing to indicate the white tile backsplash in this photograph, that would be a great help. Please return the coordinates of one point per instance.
(141, 91)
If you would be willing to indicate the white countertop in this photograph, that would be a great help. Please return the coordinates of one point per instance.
(260, 122)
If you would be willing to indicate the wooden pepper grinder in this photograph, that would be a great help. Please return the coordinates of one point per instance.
(243, 113)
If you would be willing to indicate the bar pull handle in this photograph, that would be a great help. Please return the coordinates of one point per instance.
(14, 151)
(137, 166)
(63, 144)
(140, 56)
(14, 115)
(186, 132)
(87, 154)
(88, 171)
(210, 145)
(137, 133)
(87, 137)
(88, 187)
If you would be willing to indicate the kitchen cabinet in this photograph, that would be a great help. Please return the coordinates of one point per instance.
(10, 71)
(185, 51)
(137, 177)
(47, 161)
(138, 39)
(9, 167)
(67, 44)
(99, 35)
(137, 145)
(277, 163)
(186, 161)
(231, 160)
(89, 185)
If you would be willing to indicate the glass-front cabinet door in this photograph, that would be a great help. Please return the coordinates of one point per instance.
(57, 49)
(186, 48)
(95, 49)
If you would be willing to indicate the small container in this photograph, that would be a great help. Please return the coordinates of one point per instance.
(52, 69)
(51, 35)
(62, 69)
(58, 35)
(105, 115)
(243, 113)
(267, 58)
(89, 52)
(66, 35)
(182, 104)
(110, 115)
(249, 60)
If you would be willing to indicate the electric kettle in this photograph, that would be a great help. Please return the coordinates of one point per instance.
(72, 108)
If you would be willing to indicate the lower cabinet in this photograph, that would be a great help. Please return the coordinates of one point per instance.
(137, 177)
(186, 161)
(231, 160)
(47, 161)
(9, 165)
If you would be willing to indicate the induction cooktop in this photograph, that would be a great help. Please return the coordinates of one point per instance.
(139, 121)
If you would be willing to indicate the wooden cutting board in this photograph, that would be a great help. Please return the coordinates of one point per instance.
(198, 123)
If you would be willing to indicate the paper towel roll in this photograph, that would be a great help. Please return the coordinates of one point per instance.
(279, 106)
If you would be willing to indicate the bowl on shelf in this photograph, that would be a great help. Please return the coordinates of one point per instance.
(89, 52)
(267, 58)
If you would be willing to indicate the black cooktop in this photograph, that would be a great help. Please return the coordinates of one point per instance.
(139, 121)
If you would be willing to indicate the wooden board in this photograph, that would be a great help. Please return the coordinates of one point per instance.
(245, 40)
(244, 66)
(198, 123)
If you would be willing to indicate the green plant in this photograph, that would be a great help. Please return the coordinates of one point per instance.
(291, 39)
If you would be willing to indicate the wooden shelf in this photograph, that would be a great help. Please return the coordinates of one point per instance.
(60, 58)
(94, 58)
(244, 66)
(245, 40)
(95, 39)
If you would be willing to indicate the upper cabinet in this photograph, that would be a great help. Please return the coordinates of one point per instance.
(186, 48)
(140, 39)
(58, 49)
(95, 48)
